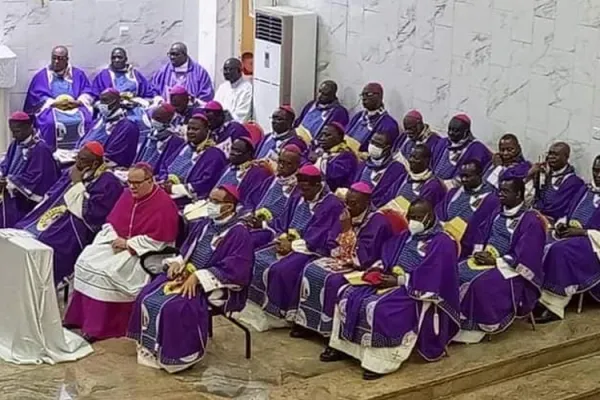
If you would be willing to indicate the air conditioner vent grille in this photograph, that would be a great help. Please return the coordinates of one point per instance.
(269, 28)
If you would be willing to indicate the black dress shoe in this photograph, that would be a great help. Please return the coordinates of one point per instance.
(90, 339)
(330, 355)
(545, 317)
(370, 375)
(299, 332)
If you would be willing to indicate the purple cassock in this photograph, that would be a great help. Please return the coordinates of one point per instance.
(30, 170)
(423, 311)
(430, 140)
(557, 191)
(249, 179)
(271, 145)
(119, 136)
(364, 124)
(320, 284)
(173, 330)
(495, 173)
(571, 265)
(427, 187)
(315, 116)
(199, 171)
(55, 225)
(493, 296)
(47, 85)
(385, 178)
(275, 284)
(448, 158)
(196, 81)
(339, 167)
(157, 150)
(128, 81)
(62, 129)
(463, 214)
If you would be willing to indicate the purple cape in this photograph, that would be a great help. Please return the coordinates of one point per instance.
(384, 180)
(360, 130)
(432, 190)
(120, 147)
(554, 200)
(39, 89)
(197, 83)
(340, 170)
(518, 170)
(149, 153)
(269, 145)
(105, 80)
(408, 145)
(445, 169)
(250, 186)
(54, 225)
(314, 119)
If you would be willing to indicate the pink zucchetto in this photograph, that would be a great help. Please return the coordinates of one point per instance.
(309, 170)
(362, 187)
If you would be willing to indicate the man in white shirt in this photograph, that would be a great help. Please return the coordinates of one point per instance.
(235, 94)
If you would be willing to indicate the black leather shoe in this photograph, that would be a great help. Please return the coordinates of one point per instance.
(545, 317)
(370, 375)
(330, 355)
(299, 332)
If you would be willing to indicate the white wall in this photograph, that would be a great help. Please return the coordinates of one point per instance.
(91, 28)
(531, 67)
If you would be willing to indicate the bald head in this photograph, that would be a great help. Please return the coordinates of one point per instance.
(558, 156)
(232, 70)
(327, 92)
(59, 59)
(178, 54)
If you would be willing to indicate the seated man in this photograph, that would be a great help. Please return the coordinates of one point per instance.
(74, 209)
(501, 280)
(555, 182)
(417, 132)
(380, 170)
(359, 244)
(334, 158)
(282, 122)
(460, 146)
(59, 78)
(185, 107)
(306, 229)
(195, 168)
(108, 273)
(466, 209)
(508, 162)
(235, 94)
(571, 263)
(374, 118)
(420, 182)
(171, 316)
(26, 173)
(118, 135)
(408, 299)
(325, 109)
(223, 131)
(162, 143)
(182, 70)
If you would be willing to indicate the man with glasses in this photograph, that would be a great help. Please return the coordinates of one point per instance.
(108, 273)
(235, 94)
(282, 123)
(183, 71)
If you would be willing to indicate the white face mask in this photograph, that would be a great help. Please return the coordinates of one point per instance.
(159, 126)
(213, 210)
(103, 109)
(375, 152)
(415, 227)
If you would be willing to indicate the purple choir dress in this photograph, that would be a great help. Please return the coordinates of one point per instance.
(448, 158)
(315, 116)
(249, 179)
(54, 225)
(493, 296)
(226, 134)
(47, 85)
(30, 170)
(119, 137)
(494, 173)
(275, 286)
(384, 178)
(171, 330)
(431, 141)
(320, 284)
(157, 151)
(556, 194)
(196, 81)
(429, 188)
(463, 214)
(571, 265)
(63, 129)
(363, 125)
(270, 146)
(339, 167)
(423, 311)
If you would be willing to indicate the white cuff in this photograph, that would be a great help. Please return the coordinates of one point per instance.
(299, 246)
(180, 190)
(177, 259)
(87, 100)
(74, 199)
(47, 104)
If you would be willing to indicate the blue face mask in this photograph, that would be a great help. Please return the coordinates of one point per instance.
(103, 110)
(159, 126)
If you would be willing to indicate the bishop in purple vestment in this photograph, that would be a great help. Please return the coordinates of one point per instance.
(118, 135)
(223, 130)
(326, 108)
(374, 118)
(556, 182)
(363, 231)
(63, 124)
(416, 132)
(74, 209)
(182, 70)
(172, 315)
(185, 107)
(380, 170)
(334, 157)
(307, 229)
(460, 146)
(408, 300)
(465, 209)
(26, 173)
(508, 162)
(282, 123)
(501, 280)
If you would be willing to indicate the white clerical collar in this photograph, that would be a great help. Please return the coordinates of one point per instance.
(183, 67)
(511, 212)
(236, 83)
(421, 176)
(224, 220)
(560, 171)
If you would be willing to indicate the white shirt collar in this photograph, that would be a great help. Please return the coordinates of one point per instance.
(511, 212)
(183, 67)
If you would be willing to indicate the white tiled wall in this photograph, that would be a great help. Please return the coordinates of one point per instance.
(531, 67)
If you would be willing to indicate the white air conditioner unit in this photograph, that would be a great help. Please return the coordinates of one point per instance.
(285, 60)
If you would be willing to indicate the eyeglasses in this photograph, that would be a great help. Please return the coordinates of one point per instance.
(136, 183)
(173, 54)
(367, 95)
